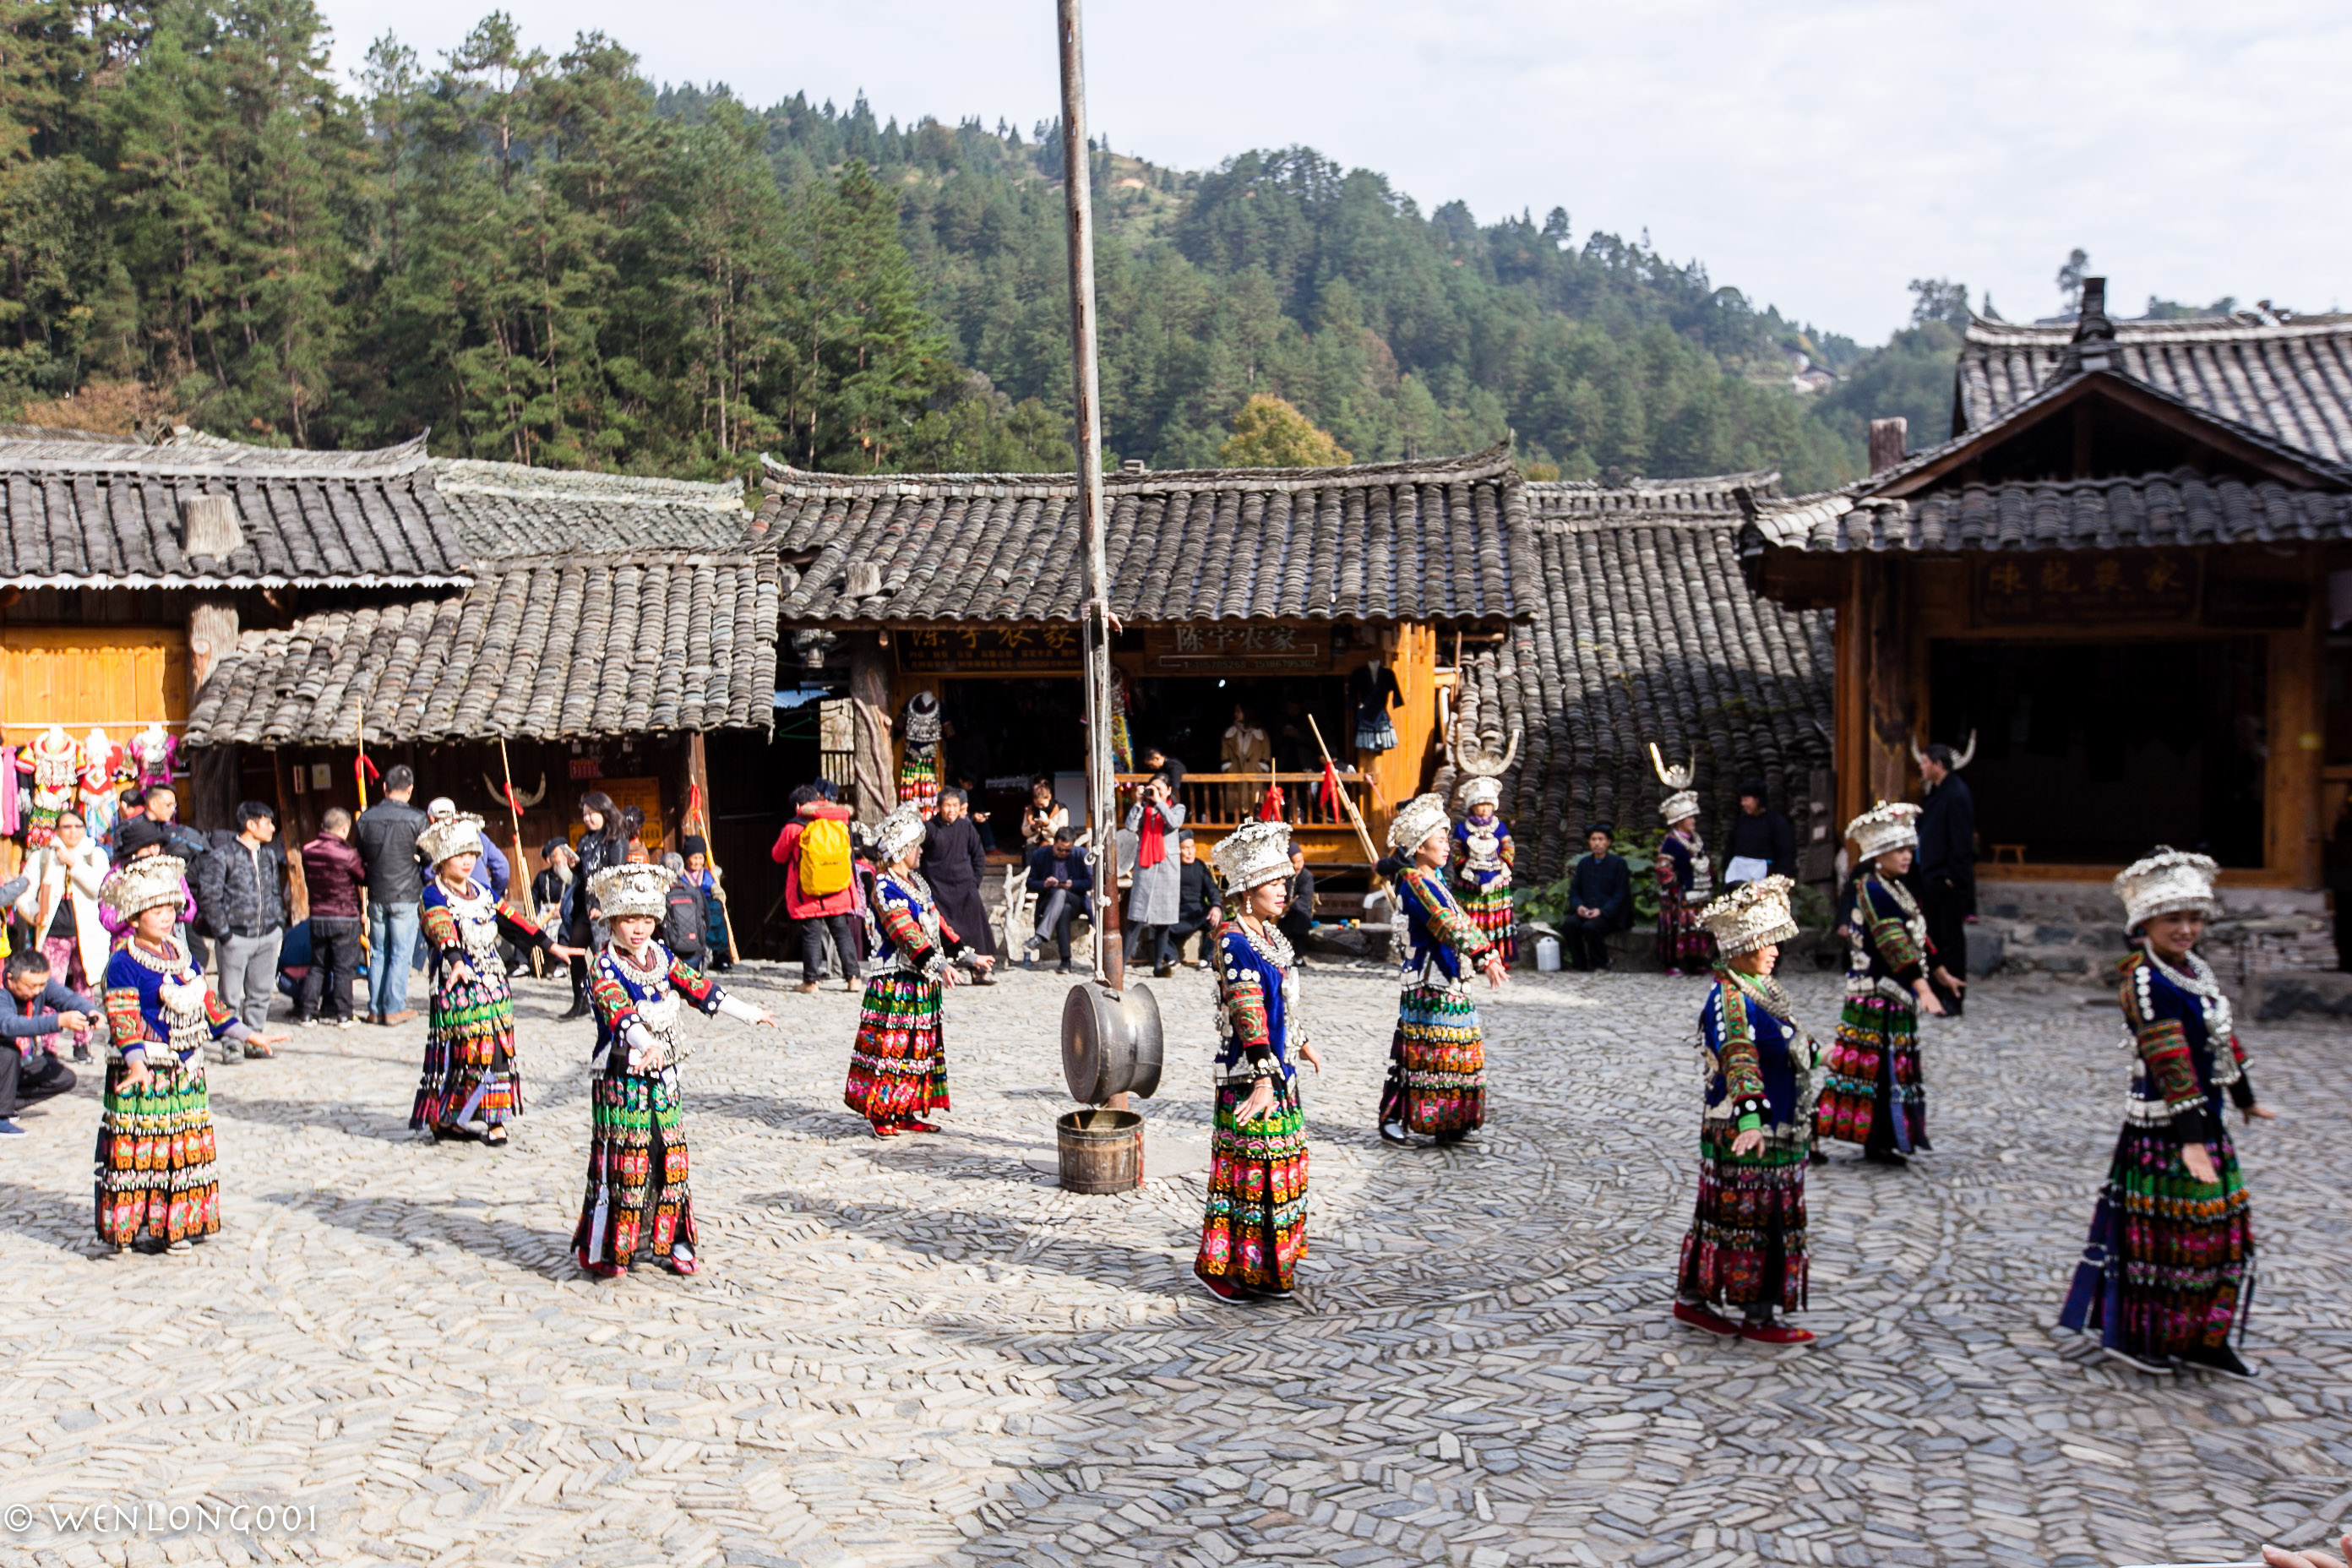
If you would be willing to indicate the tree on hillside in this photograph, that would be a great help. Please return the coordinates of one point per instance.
(1268, 433)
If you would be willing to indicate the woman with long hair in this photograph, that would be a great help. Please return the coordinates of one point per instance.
(604, 841)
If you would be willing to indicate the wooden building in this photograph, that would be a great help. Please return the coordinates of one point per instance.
(2115, 575)
(1283, 592)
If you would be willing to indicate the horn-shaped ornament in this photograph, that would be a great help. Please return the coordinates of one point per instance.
(1676, 778)
(525, 801)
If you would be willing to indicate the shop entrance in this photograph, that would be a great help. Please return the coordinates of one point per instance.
(1188, 715)
(1001, 733)
(2091, 754)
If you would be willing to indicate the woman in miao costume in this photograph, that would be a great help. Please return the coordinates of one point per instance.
(1874, 1094)
(1746, 1247)
(470, 1072)
(1255, 1231)
(1685, 879)
(1437, 1064)
(1483, 856)
(2169, 1269)
(899, 1066)
(156, 1184)
(639, 1207)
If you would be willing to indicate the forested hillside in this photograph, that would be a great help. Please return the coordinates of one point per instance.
(544, 260)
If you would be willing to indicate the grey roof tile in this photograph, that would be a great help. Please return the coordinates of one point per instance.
(507, 509)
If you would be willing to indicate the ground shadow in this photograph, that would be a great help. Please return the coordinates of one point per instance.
(39, 1215)
(392, 1220)
(359, 1119)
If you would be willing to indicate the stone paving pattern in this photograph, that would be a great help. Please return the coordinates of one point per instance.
(923, 1351)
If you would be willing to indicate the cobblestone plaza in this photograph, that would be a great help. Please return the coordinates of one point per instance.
(922, 1350)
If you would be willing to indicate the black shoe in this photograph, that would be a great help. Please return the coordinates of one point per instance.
(1884, 1157)
(578, 1010)
(1815, 1157)
(1395, 1132)
(2215, 1358)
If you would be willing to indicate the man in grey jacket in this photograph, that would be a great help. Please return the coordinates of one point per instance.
(241, 901)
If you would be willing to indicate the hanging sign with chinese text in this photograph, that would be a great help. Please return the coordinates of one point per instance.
(2066, 588)
(1235, 648)
(984, 650)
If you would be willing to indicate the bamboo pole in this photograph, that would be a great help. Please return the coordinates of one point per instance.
(1363, 833)
(359, 777)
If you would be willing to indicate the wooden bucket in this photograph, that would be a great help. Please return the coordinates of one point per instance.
(1101, 1150)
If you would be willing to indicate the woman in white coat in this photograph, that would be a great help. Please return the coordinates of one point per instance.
(66, 873)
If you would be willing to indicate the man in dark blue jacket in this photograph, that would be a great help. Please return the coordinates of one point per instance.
(1059, 875)
(1945, 873)
(34, 1009)
(1600, 899)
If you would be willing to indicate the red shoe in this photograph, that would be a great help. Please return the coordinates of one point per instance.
(1699, 1317)
(682, 1260)
(911, 1125)
(605, 1270)
(1776, 1334)
(1223, 1289)
(887, 1130)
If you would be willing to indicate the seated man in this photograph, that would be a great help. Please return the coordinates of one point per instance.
(1059, 875)
(36, 1008)
(1200, 907)
(1600, 899)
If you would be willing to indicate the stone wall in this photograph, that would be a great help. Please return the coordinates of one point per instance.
(2076, 928)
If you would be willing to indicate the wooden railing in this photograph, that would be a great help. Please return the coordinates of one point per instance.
(1228, 800)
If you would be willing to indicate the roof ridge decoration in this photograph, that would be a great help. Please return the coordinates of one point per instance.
(1712, 499)
(2184, 330)
(478, 476)
(1493, 462)
(228, 460)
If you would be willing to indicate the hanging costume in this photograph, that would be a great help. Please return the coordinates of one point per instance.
(155, 1143)
(1874, 1094)
(2168, 1269)
(1482, 866)
(1437, 1063)
(54, 761)
(899, 1066)
(1255, 1230)
(638, 1203)
(1745, 1245)
(919, 761)
(470, 1069)
(1372, 691)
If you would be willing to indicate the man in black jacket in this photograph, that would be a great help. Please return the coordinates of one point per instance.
(241, 902)
(1945, 870)
(1061, 880)
(1762, 843)
(1600, 899)
(1298, 916)
(1198, 905)
(385, 835)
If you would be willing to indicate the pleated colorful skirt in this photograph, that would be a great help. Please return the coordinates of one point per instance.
(1437, 1063)
(1490, 911)
(1872, 1093)
(2168, 1265)
(1255, 1231)
(1745, 1245)
(638, 1204)
(469, 1057)
(899, 1068)
(1684, 945)
(156, 1154)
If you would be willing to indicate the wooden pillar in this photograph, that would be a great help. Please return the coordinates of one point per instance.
(1849, 749)
(873, 789)
(291, 835)
(212, 771)
(1891, 714)
(2294, 826)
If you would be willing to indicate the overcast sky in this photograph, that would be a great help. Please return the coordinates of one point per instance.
(1817, 155)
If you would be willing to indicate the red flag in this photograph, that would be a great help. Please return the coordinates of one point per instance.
(1270, 809)
(1330, 790)
(362, 770)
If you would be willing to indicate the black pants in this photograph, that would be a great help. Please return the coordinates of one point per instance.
(1184, 931)
(813, 930)
(326, 989)
(1945, 902)
(1293, 925)
(23, 1079)
(1163, 952)
(1586, 940)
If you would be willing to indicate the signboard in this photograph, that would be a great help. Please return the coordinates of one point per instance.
(1235, 648)
(2066, 588)
(984, 650)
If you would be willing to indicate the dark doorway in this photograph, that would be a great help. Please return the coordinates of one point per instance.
(2091, 754)
(1188, 715)
(1003, 732)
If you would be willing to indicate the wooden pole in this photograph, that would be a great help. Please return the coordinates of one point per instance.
(514, 823)
(1096, 624)
(698, 801)
(359, 777)
(1363, 833)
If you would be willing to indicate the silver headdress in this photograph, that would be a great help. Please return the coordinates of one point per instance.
(142, 884)
(897, 833)
(1251, 856)
(1681, 801)
(1417, 820)
(1886, 827)
(460, 834)
(641, 888)
(1752, 915)
(2166, 882)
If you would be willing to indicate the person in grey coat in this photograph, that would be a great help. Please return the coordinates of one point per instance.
(1154, 901)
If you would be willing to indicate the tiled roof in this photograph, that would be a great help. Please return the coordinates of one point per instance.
(1444, 541)
(2183, 507)
(1648, 632)
(541, 648)
(506, 509)
(81, 513)
(2291, 380)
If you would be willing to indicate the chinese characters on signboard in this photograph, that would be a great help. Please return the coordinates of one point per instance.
(982, 650)
(2065, 587)
(1221, 647)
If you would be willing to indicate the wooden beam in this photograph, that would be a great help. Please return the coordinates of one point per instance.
(2293, 784)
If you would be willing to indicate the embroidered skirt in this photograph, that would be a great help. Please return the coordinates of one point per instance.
(1437, 1064)
(1490, 909)
(1683, 943)
(1255, 1231)
(156, 1152)
(899, 1068)
(1873, 1094)
(1745, 1245)
(638, 1202)
(2168, 1265)
(469, 1055)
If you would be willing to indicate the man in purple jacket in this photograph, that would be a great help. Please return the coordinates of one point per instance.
(334, 873)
